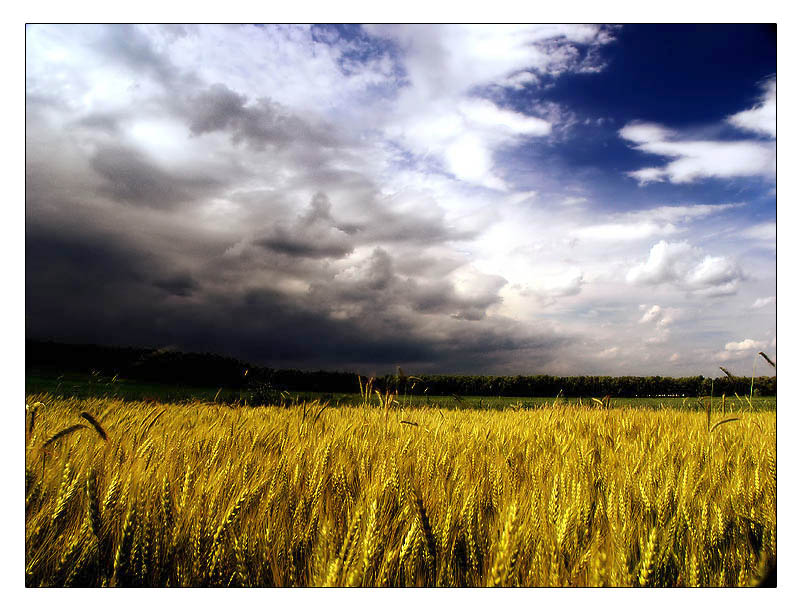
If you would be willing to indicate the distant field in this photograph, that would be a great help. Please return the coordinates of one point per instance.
(204, 494)
(82, 386)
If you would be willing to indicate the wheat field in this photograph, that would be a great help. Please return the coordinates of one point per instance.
(199, 494)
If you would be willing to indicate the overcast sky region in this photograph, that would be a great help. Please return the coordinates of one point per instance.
(524, 199)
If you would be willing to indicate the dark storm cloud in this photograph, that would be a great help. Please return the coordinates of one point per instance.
(181, 284)
(131, 177)
(378, 289)
(218, 108)
(103, 122)
(94, 289)
(85, 285)
(225, 249)
(305, 334)
(313, 235)
(425, 228)
(93, 276)
(309, 246)
(85, 262)
(260, 124)
(319, 233)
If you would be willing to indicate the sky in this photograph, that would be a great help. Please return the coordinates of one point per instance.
(515, 199)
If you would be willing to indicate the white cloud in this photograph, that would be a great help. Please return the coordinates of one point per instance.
(714, 271)
(465, 135)
(682, 213)
(613, 232)
(520, 80)
(288, 60)
(686, 267)
(766, 232)
(762, 302)
(459, 57)
(703, 159)
(741, 350)
(747, 344)
(484, 114)
(661, 336)
(667, 262)
(642, 132)
(646, 223)
(762, 118)
(437, 113)
(662, 318)
(694, 159)
(652, 314)
(567, 284)
(647, 175)
(555, 284)
(608, 353)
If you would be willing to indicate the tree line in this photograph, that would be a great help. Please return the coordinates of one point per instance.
(205, 369)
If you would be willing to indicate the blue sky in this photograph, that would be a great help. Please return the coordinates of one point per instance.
(489, 199)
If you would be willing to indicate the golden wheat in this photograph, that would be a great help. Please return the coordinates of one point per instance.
(194, 495)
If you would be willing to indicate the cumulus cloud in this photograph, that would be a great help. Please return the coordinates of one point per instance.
(667, 262)
(687, 267)
(747, 344)
(738, 350)
(715, 273)
(661, 318)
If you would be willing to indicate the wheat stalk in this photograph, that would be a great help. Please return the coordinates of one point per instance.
(62, 433)
(96, 425)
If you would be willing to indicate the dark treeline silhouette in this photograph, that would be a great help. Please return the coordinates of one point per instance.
(547, 385)
(209, 370)
(141, 364)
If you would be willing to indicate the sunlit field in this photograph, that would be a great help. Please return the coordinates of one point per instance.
(197, 494)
